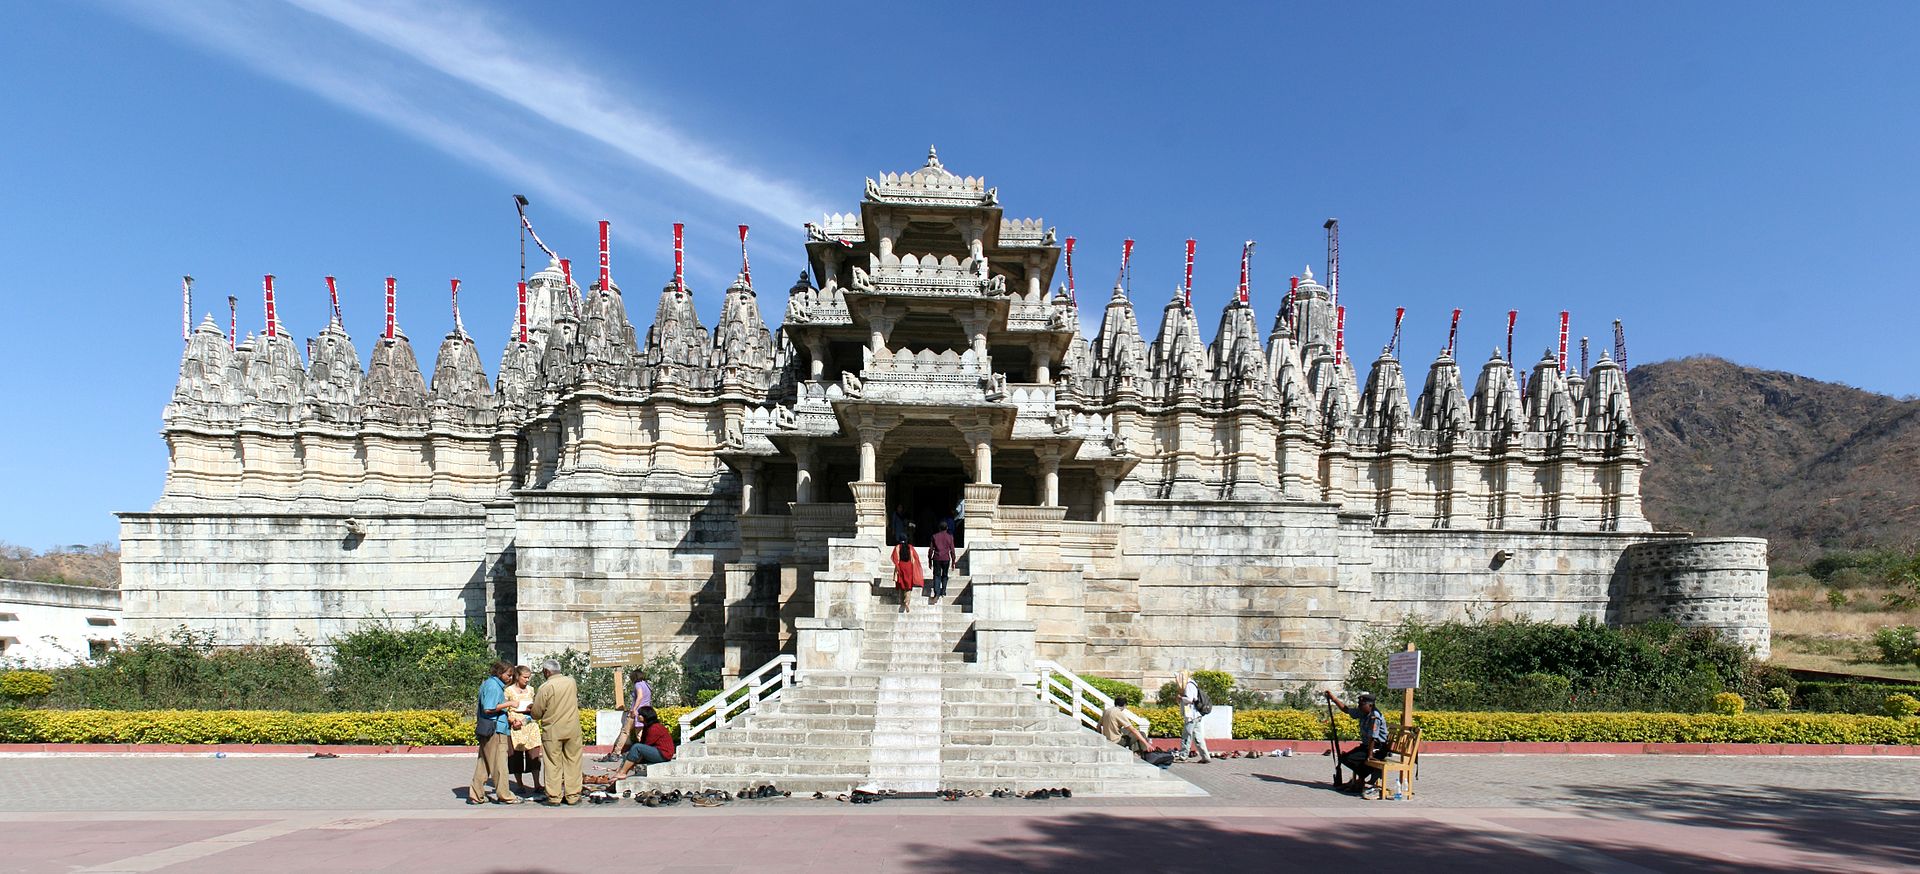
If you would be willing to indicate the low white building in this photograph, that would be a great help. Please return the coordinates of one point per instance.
(49, 624)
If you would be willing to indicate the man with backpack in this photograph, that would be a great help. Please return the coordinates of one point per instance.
(1194, 704)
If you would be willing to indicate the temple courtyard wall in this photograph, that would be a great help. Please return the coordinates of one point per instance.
(1276, 593)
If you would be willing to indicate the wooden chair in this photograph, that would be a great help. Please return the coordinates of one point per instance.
(1403, 758)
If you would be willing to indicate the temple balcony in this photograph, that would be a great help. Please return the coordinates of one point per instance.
(927, 378)
(927, 276)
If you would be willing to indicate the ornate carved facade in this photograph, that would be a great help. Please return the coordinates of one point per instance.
(1130, 507)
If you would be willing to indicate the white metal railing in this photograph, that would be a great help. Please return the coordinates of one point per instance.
(743, 697)
(1074, 696)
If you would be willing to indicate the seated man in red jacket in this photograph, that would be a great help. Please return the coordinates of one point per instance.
(654, 746)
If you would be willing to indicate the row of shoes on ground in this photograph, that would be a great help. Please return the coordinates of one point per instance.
(766, 791)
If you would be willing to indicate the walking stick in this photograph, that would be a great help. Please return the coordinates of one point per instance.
(1333, 737)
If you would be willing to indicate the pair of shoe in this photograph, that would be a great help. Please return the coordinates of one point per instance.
(610, 757)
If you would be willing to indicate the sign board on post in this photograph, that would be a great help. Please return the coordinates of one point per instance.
(613, 640)
(1403, 670)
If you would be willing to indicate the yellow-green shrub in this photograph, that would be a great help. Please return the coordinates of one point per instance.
(1900, 705)
(20, 685)
(381, 728)
(1729, 704)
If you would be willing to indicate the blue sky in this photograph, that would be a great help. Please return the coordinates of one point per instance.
(1737, 180)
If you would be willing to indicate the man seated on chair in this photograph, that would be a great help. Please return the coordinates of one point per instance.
(1373, 739)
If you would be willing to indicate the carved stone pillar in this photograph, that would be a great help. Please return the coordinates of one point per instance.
(1034, 291)
(1049, 457)
(975, 323)
(1107, 508)
(817, 357)
(869, 454)
(983, 461)
(880, 321)
(803, 473)
(1043, 362)
(749, 479)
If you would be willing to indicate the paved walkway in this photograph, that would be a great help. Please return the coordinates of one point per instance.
(1526, 813)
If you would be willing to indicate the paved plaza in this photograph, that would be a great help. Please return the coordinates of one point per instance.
(1534, 813)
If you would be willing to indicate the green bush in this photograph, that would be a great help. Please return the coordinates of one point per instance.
(1897, 644)
(383, 666)
(1123, 693)
(1842, 697)
(1219, 688)
(24, 685)
(1729, 704)
(1900, 706)
(1779, 698)
(183, 669)
(1495, 665)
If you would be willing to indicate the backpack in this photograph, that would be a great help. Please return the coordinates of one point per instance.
(1201, 702)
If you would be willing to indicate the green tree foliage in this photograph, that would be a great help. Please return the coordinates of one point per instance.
(1539, 666)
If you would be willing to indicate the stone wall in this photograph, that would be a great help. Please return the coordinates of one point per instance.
(1700, 582)
(662, 556)
(271, 578)
(1248, 588)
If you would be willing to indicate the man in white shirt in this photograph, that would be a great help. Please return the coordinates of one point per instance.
(1190, 734)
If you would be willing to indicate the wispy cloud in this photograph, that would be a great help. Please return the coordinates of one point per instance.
(452, 79)
(537, 78)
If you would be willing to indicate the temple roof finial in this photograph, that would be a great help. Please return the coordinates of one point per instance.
(933, 157)
(1306, 274)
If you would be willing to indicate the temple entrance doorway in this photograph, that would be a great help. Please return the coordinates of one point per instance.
(930, 484)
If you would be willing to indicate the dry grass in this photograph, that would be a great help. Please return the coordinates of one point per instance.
(1837, 623)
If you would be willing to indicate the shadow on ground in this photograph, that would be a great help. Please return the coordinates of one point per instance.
(1701, 829)
(1868, 827)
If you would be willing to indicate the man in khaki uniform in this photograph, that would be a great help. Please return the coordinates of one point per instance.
(556, 704)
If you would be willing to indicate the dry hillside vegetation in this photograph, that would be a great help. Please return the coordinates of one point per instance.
(96, 565)
(1811, 466)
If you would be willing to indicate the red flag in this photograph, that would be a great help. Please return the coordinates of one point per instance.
(606, 271)
(1126, 255)
(389, 332)
(1339, 335)
(1563, 341)
(1187, 289)
(457, 327)
(1512, 316)
(273, 327)
(1453, 331)
(521, 321)
(679, 258)
(746, 269)
(333, 300)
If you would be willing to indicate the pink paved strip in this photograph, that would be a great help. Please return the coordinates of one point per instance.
(1303, 747)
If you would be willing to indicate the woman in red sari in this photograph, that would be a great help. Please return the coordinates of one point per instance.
(906, 573)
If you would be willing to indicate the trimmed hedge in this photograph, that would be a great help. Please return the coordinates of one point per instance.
(442, 727)
(382, 728)
(1823, 696)
(1794, 728)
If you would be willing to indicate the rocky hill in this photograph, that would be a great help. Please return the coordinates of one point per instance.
(1810, 465)
(96, 565)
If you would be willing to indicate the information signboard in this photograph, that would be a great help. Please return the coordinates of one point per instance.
(1403, 670)
(613, 640)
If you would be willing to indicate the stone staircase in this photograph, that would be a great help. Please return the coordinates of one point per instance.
(914, 717)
